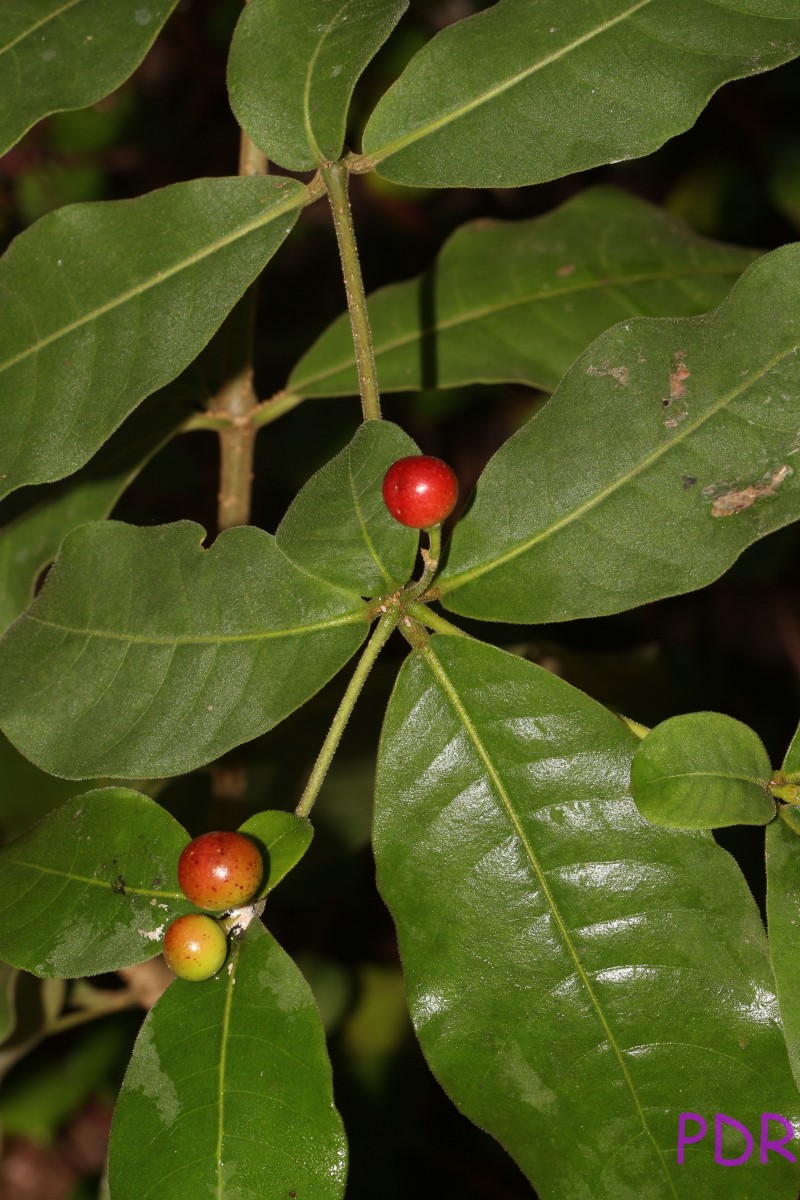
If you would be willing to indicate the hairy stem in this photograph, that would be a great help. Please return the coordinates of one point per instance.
(433, 620)
(430, 559)
(335, 176)
(376, 643)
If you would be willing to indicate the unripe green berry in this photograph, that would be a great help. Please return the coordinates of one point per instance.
(194, 947)
(218, 871)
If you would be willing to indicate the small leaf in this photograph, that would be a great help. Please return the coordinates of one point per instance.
(283, 839)
(665, 451)
(519, 300)
(528, 92)
(791, 763)
(783, 918)
(569, 967)
(702, 771)
(104, 303)
(338, 527)
(92, 887)
(292, 71)
(145, 655)
(229, 1092)
(56, 55)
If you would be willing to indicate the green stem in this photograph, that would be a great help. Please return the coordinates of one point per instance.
(376, 643)
(276, 406)
(335, 176)
(434, 621)
(430, 558)
(120, 1001)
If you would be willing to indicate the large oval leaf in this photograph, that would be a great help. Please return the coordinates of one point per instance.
(783, 916)
(292, 71)
(145, 655)
(92, 887)
(577, 977)
(520, 300)
(228, 1093)
(668, 448)
(338, 526)
(104, 303)
(527, 92)
(59, 54)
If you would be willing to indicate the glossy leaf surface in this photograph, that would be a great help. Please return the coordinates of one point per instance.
(165, 654)
(338, 527)
(104, 303)
(520, 300)
(229, 1089)
(569, 966)
(283, 839)
(526, 92)
(667, 449)
(92, 887)
(292, 71)
(702, 771)
(59, 54)
(783, 916)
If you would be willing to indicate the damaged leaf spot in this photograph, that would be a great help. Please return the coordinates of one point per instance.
(677, 379)
(734, 502)
(567, 269)
(618, 373)
(688, 481)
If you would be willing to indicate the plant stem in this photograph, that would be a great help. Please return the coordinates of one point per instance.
(118, 1002)
(430, 559)
(438, 624)
(376, 643)
(335, 176)
(276, 406)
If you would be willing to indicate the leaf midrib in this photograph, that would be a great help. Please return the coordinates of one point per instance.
(316, 150)
(439, 673)
(208, 640)
(453, 582)
(91, 882)
(39, 25)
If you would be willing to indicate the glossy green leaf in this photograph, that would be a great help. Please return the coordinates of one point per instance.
(104, 303)
(228, 1093)
(577, 977)
(702, 771)
(292, 71)
(60, 54)
(667, 449)
(783, 918)
(146, 655)
(520, 300)
(92, 887)
(28, 543)
(283, 839)
(527, 92)
(338, 527)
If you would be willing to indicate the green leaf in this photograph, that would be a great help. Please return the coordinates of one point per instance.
(520, 300)
(293, 67)
(702, 771)
(92, 887)
(60, 54)
(791, 763)
(283, 839)
(28, 543)
(666, 450)
(229, 1089)
(569, 966)
(146, 655)
(338, 527)
(103, 303)
(8, 1009)
(783, 917)
(528, 92)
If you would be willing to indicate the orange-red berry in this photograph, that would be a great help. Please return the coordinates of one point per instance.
(194, 947)
(218, 871)
(420, 491)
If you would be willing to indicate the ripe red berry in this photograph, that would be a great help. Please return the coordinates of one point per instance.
(218, 871)
(194, 947)
(420, 491)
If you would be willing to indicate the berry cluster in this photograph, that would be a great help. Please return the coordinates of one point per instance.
(217, 872)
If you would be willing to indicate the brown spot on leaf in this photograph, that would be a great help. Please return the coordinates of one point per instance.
(737, 501)
(567, 269)
(688, 481)
(677, 378)
(619, 373)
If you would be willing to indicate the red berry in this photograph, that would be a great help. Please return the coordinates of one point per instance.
(218, 871)
(194, 947)
(420, 491)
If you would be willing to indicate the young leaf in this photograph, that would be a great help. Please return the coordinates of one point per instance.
(229, 1089)
(520, 300)
(28, 543)
(104, 303)
(527, 92)
(293, 67)
(56, 55)
(666, 450)
(569, 967)
(783, 918)
(338, 527)
(283, 839)
(146, 655)
(92, 887)
(702, 771)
